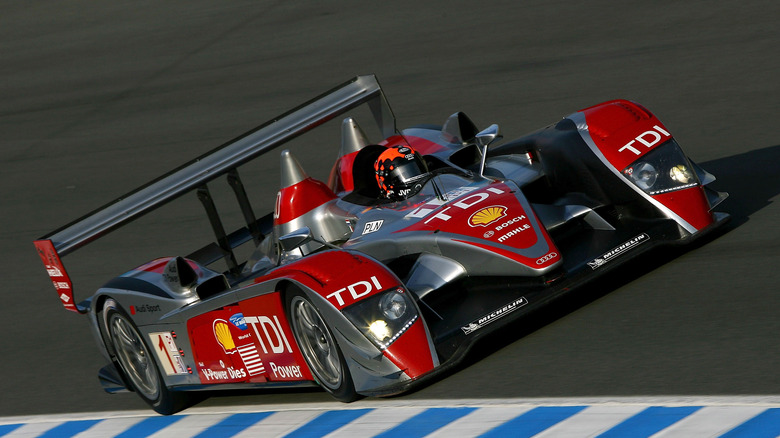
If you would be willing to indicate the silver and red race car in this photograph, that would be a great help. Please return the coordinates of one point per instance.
(368, 288)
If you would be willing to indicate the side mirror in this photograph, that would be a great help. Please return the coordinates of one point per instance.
(487, 136)
(483, 139)
(295, 239)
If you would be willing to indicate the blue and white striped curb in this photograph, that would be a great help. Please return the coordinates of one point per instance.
(727, 417)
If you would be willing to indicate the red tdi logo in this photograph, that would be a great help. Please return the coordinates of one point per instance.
(648, 138)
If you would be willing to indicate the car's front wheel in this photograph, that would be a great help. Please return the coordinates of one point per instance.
(319, 348)
(131, 353)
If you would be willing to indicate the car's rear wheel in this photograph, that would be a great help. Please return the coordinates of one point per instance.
(319, 348)
(137, 364)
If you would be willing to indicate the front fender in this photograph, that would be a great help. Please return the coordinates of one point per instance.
(620, 133)
(337, 279)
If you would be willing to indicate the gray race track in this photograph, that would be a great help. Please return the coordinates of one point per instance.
(97, 98)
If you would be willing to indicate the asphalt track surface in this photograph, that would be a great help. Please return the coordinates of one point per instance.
(97, 98)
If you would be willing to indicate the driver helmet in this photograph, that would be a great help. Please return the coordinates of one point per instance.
(400, 172)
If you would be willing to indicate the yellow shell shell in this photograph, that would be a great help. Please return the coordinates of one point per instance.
(487, 215)
(222, 331)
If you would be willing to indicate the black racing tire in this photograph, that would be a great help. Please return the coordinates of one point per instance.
(319, 347)
(131, 353)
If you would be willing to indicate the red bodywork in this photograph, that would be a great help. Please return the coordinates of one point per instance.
(299, 199)
(495, 217)
(252, 341)
(59, 276)
(625, 132)
(247, 342)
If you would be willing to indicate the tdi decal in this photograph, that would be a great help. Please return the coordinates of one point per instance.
(619, 250)
(494, 315)
(357, 290)
(464, 203)
(648, 138)
(275, 338)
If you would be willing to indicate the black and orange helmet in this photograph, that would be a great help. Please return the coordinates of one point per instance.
(400, 172)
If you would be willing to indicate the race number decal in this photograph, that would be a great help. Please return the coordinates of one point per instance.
(163, 344)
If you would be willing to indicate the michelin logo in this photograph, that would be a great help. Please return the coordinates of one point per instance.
(494, 315)
(618, 251)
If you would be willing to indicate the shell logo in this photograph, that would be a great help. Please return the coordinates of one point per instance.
(225, 339)
(487, 216)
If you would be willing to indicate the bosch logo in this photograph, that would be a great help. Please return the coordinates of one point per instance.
(510, 222)
(488, 234)
(547, 258)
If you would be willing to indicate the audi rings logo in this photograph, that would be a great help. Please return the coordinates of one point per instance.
(547, 258)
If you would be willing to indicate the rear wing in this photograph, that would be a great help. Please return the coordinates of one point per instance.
(221, 161)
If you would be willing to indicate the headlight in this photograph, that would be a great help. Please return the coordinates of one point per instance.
(662, 170)
(643, 174)
(393, 305)
(383, 317)
(681, 174)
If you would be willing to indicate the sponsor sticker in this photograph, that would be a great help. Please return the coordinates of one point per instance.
(495, 315)
(487, 216)
(143, 308)
(373, 226)
(166, 349)
(547, 257)
(648, 139)
(247, 352)
(238, 321)
(356, 290)
(618, 251)
(286, 371)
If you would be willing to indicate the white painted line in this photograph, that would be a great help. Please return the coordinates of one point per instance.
(592, 421)
(110, 427)
(31, 430)
(279, 424)
(376, 422)
(479, 422)
(711, 421)
(189, 426)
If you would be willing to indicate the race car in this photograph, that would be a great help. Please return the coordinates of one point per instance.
(420, 243)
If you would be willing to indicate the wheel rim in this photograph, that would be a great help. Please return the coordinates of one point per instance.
(317, 343)
(134, 357)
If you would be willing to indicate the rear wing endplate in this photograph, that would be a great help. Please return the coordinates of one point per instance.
(195, 174)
